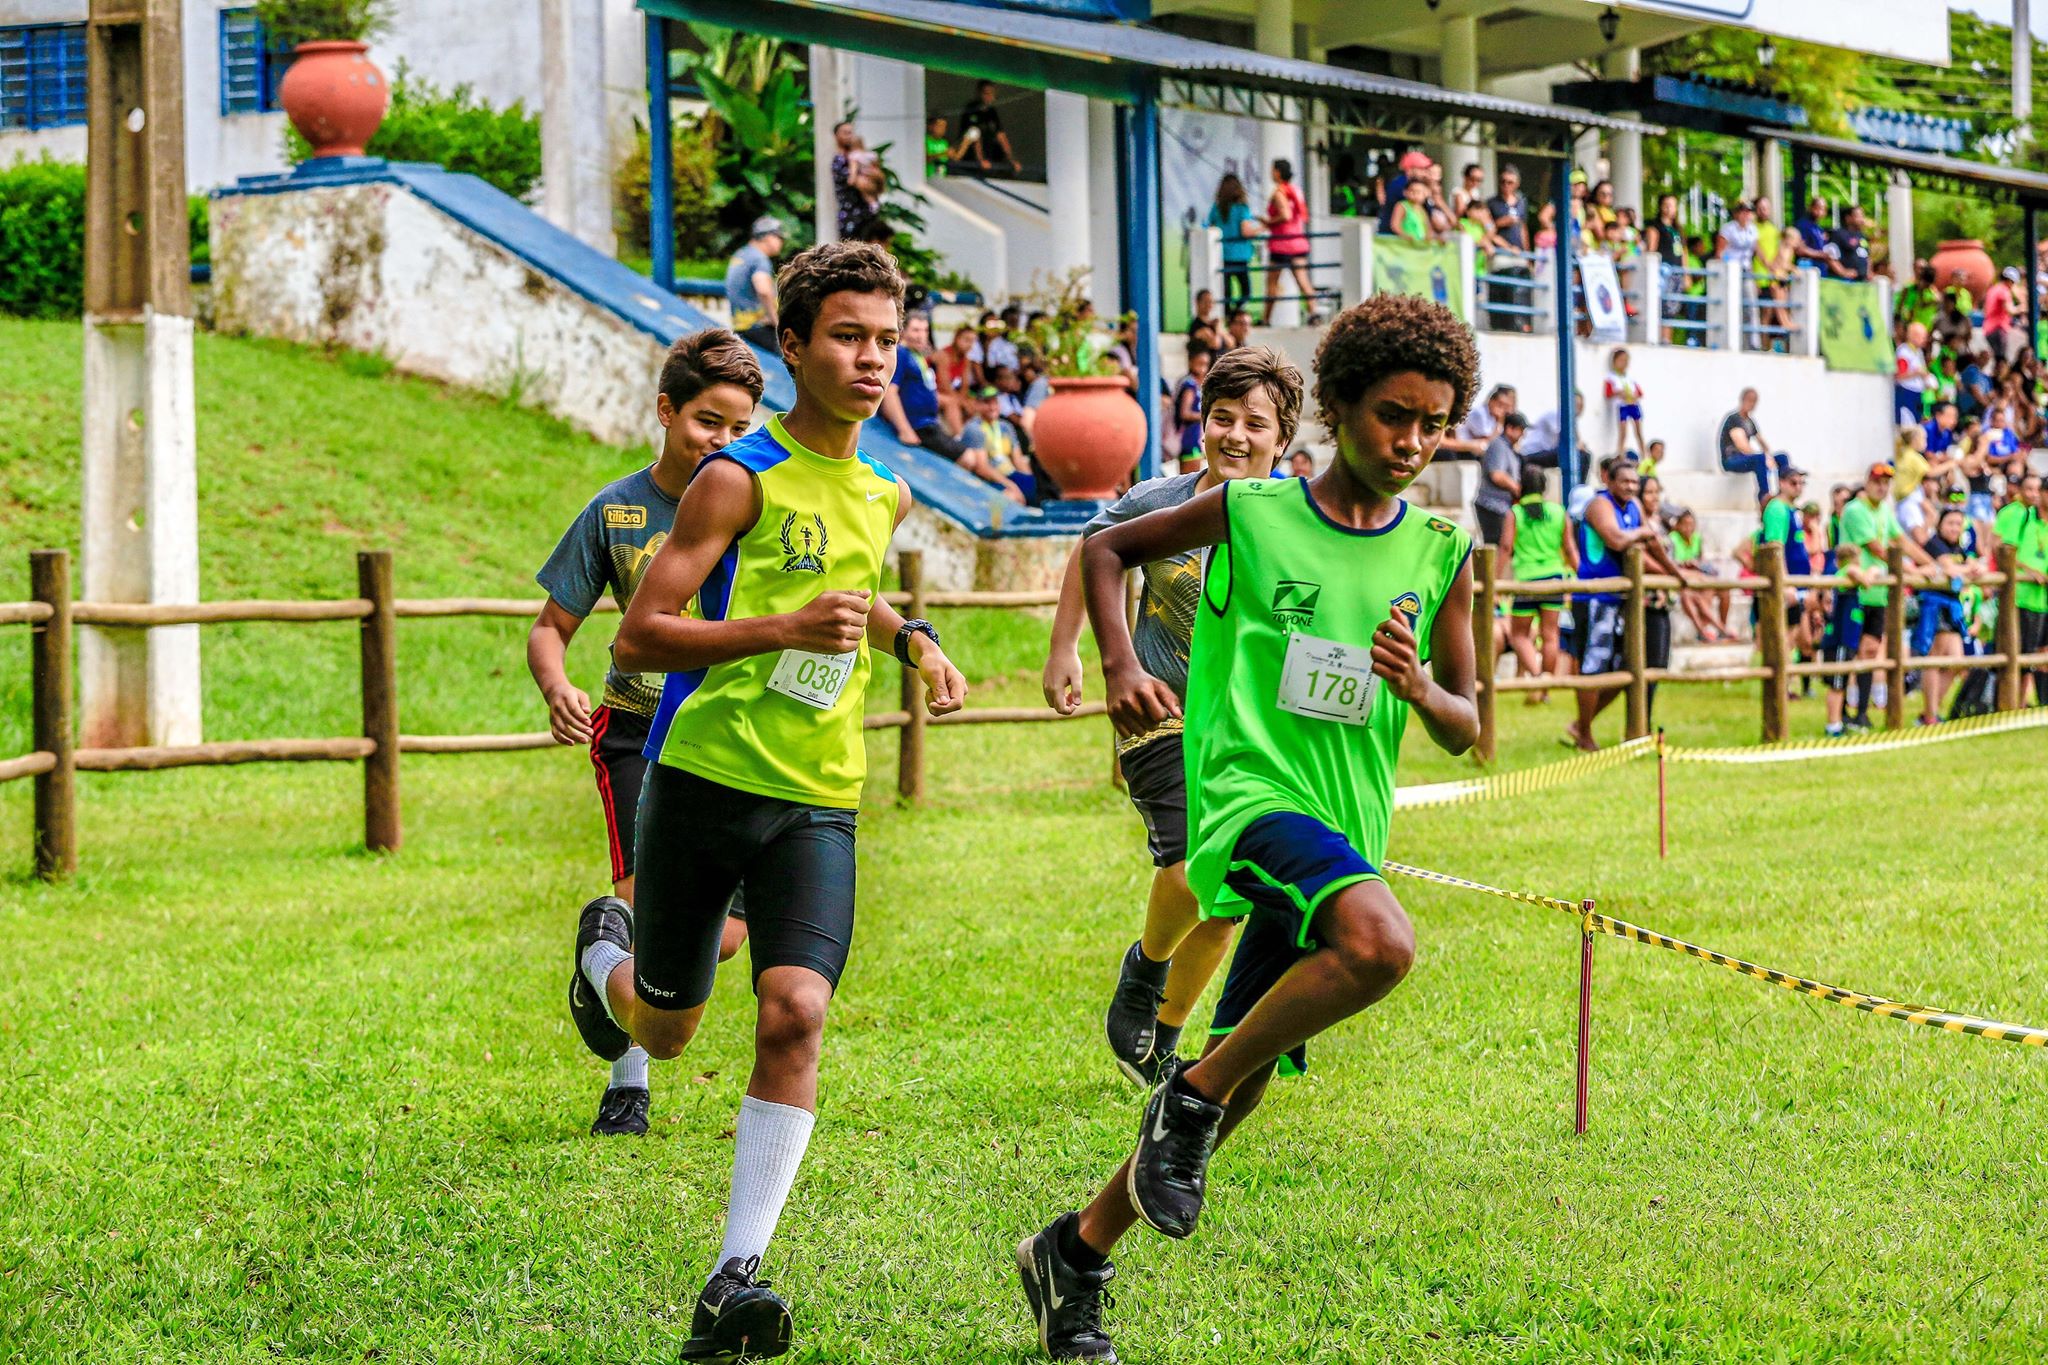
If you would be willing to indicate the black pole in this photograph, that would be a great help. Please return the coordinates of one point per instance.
(1567, 420)
(661, 193)
(2030, 273)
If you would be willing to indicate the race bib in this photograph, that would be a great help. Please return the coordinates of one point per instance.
(1326, 680)
(813, 679)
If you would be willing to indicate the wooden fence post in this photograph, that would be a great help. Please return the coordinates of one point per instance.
(910, 739)
(56, 801)
(1773, 639)
(381, 826)
(1895, 636)
(1484, 563)
(1636, 646)
(2007, 636)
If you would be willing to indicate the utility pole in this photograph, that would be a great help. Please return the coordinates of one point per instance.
(2022, 67)
(140, 496)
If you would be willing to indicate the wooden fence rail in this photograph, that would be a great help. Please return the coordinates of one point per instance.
(1776, 667)
(56, 759)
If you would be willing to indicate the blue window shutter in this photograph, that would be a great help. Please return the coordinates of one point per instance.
(15, 79)
(42, 75)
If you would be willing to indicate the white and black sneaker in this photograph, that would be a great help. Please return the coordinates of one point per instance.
(610, 919)
(1066, 1302)
(738, 1317)
(621, 1113)
(1133, 1020)
(1169, 1173)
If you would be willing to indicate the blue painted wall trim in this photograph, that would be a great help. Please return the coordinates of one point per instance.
(626, 294)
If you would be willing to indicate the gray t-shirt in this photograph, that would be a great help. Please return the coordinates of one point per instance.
(608, 548)
(1173, 587)
(1500, 458)
(747, 308)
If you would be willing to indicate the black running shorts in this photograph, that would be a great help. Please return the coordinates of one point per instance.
(1157, 779)
(699, 842)
(616, 739)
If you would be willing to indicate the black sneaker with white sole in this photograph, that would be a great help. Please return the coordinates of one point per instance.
(1133, 1020)
(610, 919)
(738, 1317)
(622, 1112)
(1169, 1173)
(1066, 1302)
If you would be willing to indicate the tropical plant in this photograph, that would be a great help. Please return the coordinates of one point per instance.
(451, 128)
(693, 223)
(1066, 337)
(760, 124)
(291, 22)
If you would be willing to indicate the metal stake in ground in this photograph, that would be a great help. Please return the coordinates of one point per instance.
(1663, 821)
(1585, 1013)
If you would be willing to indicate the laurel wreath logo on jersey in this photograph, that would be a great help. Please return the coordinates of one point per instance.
(811, 559)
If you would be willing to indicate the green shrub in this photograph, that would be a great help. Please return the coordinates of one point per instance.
(42, 239)
(291, 22)
(454, 129)
(694, 163)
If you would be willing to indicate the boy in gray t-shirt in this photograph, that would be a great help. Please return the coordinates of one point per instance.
(1251, 402)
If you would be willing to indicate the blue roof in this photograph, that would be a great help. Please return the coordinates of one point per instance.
(625, 293)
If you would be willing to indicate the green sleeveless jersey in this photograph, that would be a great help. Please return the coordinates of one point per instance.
(1539, 540)
(786, 725)
(1283, 710)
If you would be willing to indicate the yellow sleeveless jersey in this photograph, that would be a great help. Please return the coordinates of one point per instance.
(788, 724)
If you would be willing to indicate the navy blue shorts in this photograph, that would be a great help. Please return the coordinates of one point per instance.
(1286, 865)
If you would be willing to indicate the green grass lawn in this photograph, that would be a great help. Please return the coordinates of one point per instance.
(268, 1097)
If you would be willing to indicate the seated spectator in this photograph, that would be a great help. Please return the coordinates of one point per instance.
(1546, 434)
(989, 447)
(992, 348)
(750, 284)
(1653, 459)
(1010, 407)
(953, 368)
(1919, 301)
(1953, 330)
(1941, 430)
(1301, 465)
(1613, 522)
(1973, 391)
(911, 405)
(1411, 216)
(1743, 450)
(1500, 479)
(1205, 327)
(1482, 423)
(1238, 332)
(1708, 611)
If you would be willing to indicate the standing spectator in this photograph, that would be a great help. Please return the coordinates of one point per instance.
(1812, 230)
(1869, 524)
(1941, 625)
(1187, 405)
(1743, 450)
(1613, 523)
(1664, 238)
(1738, 237)
(1953, 330)
(911, 405)
(990, 449)
(1537, 541)
(2001, 316)
(1768, 235)
(857, 183)
(1500, 479)
(1849, 245)
(1546, 227)
(981, 132)
(1510, 212)
(1412, 165)
(750, 284)
(1301, 465)
(1910, 375)
(1348, 197)
(1600, 211)
(1471, 189)
(1231, 216)
(1411, 218)
(1919, 301)
(938, 149)
(1287, 242)
(2020, 524)
(1624, 402)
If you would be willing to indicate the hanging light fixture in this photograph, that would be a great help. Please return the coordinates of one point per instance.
(1610, 23)
(1766, 53)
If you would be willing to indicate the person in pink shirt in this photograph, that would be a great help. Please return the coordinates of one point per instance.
(1287, 242)
(1999, 308)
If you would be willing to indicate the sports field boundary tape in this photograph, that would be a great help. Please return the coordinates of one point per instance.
(1524, 781)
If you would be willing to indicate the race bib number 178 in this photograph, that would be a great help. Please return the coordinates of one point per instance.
(1326, 680)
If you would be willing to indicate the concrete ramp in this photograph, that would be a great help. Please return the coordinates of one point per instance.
(455, 280)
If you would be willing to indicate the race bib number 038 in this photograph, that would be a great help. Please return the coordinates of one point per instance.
(813, 679)
(1326, 680)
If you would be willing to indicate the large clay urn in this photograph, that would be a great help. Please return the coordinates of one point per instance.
(335, 96)
(1088, 434)
(1969, 256)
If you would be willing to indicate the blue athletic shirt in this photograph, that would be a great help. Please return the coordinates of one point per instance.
(1595, 559)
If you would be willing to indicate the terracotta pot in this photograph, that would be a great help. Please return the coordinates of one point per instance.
(1088, 434)
(335, 96)
(1970, 257)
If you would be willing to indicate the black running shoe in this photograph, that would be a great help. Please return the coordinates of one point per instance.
(610, 919)
(1133, 1019)
(1170, 1169)
(622, 1111)
(738, 1317)
(1066, 1303)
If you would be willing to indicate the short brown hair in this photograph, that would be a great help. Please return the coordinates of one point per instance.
(1389, 334)
(701, 359)
(1241, 369)
(833, 268)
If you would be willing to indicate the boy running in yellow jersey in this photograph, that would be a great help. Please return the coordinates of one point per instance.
(1251, 404)
(1330, 610)
(756, 749)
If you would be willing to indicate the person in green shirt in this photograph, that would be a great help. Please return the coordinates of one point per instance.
(1869, 525)
(938, 149)
(1919, 301)
(2020, 524)
(1331, 610)
(1539, 545)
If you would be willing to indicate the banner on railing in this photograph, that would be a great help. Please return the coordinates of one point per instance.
(1430, 271)
(1604, 307)
(1854, 333)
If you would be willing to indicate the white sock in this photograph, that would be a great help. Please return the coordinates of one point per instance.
(598, 960)
(768, 1145)
(630, 1071)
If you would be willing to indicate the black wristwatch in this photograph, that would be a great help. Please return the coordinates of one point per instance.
(903, 632)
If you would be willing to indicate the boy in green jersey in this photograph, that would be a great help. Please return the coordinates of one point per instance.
(2019, 524)
(755, 749)
(1870, 523)
(1330, 610)
(1538, 543)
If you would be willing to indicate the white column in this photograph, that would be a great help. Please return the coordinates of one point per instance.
(1771, 183)
(1898, 213)
(575, 136)
(1354, 252)
(1806, 318)
(1273, 35)
(1205, 262)
(140, 509)
(1460, 49)
(828, 106)
(1105, 250)
(1625, 150)
(1067, 174)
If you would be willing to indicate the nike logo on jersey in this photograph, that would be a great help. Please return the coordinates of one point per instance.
(873, 496)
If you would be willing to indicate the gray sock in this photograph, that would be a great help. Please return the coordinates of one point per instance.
(598, 960)
(630, 1071)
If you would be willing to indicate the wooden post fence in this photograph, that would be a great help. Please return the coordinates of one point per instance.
(1895, 636)
(910, 739)
(1635, 645)
(56, 801)
(1484, 562)
(1773, 639)
(2007, 636)
(381, 817)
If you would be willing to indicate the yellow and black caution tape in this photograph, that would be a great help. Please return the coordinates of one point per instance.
(1594, 922)
(1796, 750)
(1524, 781)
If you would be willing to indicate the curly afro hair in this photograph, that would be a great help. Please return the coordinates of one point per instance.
(1388, 334)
